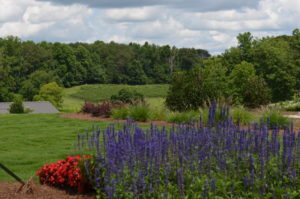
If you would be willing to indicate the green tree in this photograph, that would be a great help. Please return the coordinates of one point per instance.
(51, 92)
(190, 90)
(246, 87)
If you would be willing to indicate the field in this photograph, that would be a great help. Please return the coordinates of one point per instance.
(74, 97)
(29, 141)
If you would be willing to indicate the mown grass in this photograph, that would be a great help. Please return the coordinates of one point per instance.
(28, 141)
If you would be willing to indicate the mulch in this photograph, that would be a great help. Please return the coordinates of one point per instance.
(84, 116)
(9, 190)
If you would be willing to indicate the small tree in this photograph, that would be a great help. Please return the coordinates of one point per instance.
(51, 92)
(17, 106)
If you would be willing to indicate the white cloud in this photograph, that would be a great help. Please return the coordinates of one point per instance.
(211, 25)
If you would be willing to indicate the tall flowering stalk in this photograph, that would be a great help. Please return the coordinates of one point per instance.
(197, 160)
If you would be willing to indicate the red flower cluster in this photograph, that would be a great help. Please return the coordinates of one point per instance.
(64, 174)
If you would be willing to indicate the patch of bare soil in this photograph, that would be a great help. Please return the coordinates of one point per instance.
(10, 190)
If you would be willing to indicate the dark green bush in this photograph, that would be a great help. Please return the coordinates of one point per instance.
(17, 106)
(128, 97)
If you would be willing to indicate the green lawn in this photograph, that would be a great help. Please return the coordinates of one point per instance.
(29, 141)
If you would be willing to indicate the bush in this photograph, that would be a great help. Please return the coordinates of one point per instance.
(241, 116)
(159, 114)
(17, 106)
(88, 107)
(273, 118)
(120, 113)
(183, 117)
(128, 97)
(51, 92)
(293, 107)
(139, 113)
(64, 174)
(102, 109)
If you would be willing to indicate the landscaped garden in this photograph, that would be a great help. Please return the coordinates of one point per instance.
(187, 126)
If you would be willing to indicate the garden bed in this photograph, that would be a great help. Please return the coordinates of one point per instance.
(85, 116)
(8, 190)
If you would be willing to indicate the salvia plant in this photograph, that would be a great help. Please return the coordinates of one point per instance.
(214, 160)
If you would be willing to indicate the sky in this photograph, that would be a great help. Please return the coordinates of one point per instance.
(212, 25)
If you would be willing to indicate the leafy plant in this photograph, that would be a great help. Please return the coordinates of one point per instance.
(17, 106)
(128, 97)
(183, 117)
(64, 174)
(120, 113)
(139, 113)
(240, 115)
(273, 118)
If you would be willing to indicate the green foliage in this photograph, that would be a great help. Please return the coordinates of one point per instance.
(240, 115)
(159, 114)
(128, 97)
(36, 80)
(190, 90)
(139, 113)
(183, 117)
(246, 87)
(120, 113)
(293, 107)
(51, 92)
(273, 118)
(17, 106)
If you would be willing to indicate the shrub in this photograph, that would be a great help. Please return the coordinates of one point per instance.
(183, 117)
(191, 89)
(64, 174)
(139, 113)
(128, 97)
(241, 116)
(120, 113)
(88, 107)
(273, 118)
(159, 114)
(51, 92)
(293, 107)
(102, 109)
(17, 106)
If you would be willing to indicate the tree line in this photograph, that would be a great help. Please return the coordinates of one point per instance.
(254, 73)
(25, 65)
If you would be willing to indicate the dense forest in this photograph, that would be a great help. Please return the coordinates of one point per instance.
(270, 63)
(25, 65)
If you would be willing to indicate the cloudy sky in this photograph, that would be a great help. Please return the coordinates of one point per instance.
(207, 24)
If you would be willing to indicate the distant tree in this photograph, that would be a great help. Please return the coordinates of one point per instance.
(51, 92)
(32, 85)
